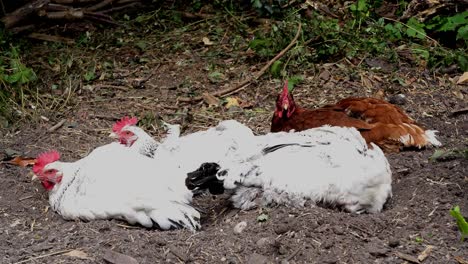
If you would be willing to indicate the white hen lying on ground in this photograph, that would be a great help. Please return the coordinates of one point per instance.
(112, 182)
(330, 165)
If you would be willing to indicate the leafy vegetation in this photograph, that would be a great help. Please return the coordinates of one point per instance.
(461, 222)
(14, 75)
(352, 31)
(440, 41)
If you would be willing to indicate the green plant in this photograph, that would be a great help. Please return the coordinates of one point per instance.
(14, 76)
(461, 222)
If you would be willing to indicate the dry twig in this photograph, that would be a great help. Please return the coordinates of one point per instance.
(44, 256)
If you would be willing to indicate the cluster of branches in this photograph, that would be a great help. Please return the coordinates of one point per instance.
(26, 17)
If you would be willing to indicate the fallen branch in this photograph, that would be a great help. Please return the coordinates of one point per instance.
(51, 38)
(57, 126)
(459, 111)
(248, 81)
(19, 14)
(40, 10)
(407, 257)
(99, 5)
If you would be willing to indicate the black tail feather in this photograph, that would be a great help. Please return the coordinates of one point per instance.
(205, 178)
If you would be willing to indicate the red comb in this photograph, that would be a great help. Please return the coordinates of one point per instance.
(123, 122)
(45, 158)
(285, 87)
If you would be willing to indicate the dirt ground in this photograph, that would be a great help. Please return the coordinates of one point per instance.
(147, 83)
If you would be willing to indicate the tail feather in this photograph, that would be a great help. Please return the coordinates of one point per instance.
(431, 138)
(176, 215)
(405, 135)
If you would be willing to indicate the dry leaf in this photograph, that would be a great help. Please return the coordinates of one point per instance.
(210, 99)
(463, 78)
(380, 94)
(22, 161)
(425, 253)
(366, 82)
(460, 260)
(231, 101)
(77, 254)
(207, 41)
(458, 94)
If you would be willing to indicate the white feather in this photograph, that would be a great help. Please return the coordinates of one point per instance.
(432, 138)
(112, 182)
(337, 167)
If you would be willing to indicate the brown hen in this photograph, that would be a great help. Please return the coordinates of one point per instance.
(377, 120)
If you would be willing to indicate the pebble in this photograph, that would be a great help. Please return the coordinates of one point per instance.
(398, 99)
(338, 230)
(377, 250)
(257, 259)
(264, 241)
(240, 227)
(327, 244)
(394, 243)
(281, 229)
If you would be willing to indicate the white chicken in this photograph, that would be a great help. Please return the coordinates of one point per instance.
(112, 182)
(329, 165)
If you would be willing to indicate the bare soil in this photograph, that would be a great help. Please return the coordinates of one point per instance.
(416, 217)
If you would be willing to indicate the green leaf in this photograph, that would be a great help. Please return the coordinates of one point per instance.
(461, 222)
(88, 76)
(141, 45)
(276, 68)
(462, 33)
(256, 3)
(443, 155)
(293, 80)
(415, 29)
(454, 21)
(263, 217)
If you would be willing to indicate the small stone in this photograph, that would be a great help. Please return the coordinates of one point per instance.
(398, 99)
(281, 229)
(377, 250)
(327, 244)
(257, 259)
(240, 227)
(338, 230)
(264, 241)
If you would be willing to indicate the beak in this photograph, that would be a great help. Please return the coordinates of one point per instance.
(34, 178)
(285, 107)
(113, 135)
